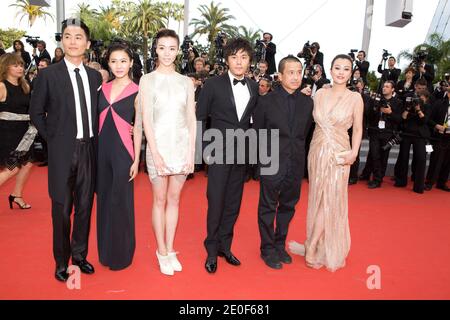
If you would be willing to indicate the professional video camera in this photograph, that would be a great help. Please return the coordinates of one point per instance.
(419, 56)
(219, 44)
(394, 140)
(260, 50)
(306, 53)
(378, 101)
(386, 54)
(32, 41)
(352, 53)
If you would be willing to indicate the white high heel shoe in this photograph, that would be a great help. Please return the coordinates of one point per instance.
(176, 265)
(164, 264)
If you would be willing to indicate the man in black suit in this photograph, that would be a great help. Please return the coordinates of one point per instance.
(42, 52)
(439, 168)
(64, 110)
(229, 100)
(271, 50)
(390, 74)
(289, 113)
(362, 64)
(424, 71)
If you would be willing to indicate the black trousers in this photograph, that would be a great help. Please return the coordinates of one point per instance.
(379, 156)
(224, 193)
(277, 199)
(79, 194)
(439, 168)
(419, 160)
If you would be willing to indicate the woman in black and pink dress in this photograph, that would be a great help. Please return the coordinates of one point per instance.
(118, 160)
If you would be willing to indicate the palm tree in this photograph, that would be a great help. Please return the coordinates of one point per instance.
(144, 18)
(30, 11)
(178, 14)
(438, 53)
(249, 34)
(213, 20)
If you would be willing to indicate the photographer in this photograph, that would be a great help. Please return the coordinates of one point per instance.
(423, 69)
(384, 117)
(389, 74)
(316, 79)
(362, 64)
(441, 90)
(415, 115)
(271, 50)
(312, 56)
(19, 49)
(439, 168)
(261, 71)
(406, 87)
(43, 53)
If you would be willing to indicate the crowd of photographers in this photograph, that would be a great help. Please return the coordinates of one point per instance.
(406, 109)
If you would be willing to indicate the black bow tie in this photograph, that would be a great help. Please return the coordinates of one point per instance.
(236, 81)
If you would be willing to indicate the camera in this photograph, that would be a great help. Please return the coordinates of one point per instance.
(352, 53)
(32, 41)
(58, 36)
(394, 140)
(378, 101)
(306, 53)
(260, 50)
(411, 102)
(419, 57)
(386, 54)
(219, 44)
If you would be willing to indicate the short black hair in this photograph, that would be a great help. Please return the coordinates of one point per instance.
(76, 22)
(362, 52)
(289, 58)
(392, 83)
(391, 57)
(235, 45)
(119, 45)
(422, 82)
(43, 43)
(167, 33)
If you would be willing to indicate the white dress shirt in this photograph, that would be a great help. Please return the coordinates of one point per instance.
(84, 77)
(241, 95)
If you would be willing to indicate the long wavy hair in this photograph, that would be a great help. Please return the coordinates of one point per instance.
(13, 59)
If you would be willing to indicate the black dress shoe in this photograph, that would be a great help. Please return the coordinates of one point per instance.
(84, 266)
(399, 185)
(230, 258)
(443, 187)
(428, 186)
(284, 257)
(352, 181)
(272, 261)
(374, 184)
(61, 275)
(211, 264)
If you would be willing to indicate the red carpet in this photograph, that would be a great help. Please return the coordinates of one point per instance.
(405, 234)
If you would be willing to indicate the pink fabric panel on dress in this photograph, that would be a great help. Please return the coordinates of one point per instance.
(123, 128)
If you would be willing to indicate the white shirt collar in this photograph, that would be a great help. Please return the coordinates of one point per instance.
(232, 77)
(72, 67)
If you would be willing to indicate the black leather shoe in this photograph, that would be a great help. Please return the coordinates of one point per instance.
(399, 185)
(272, 261)
(443, 187)
(61, 275)
(230, 258)
(211, 264)
(84, 266)
(428, 186)
(352, 181)
(373, 184)
(284, 257)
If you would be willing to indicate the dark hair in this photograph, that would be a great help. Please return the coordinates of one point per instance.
(409, 69)
(422, 82)
(76, 22)
(43, 43)
(391, 57)
(19, 42)
(235, 45)
(342, 56)
(46, 61)
(264, 61)
(271, 36)
(362, 52)
(164, 33)
(119, 45)
(289, 58)
(392, 83)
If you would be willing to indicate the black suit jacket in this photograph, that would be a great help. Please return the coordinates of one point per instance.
(438, 116)
(216, 100)
(52, 111)
(272, 113)
(271, 50)
(388, 74)
(42, 55)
